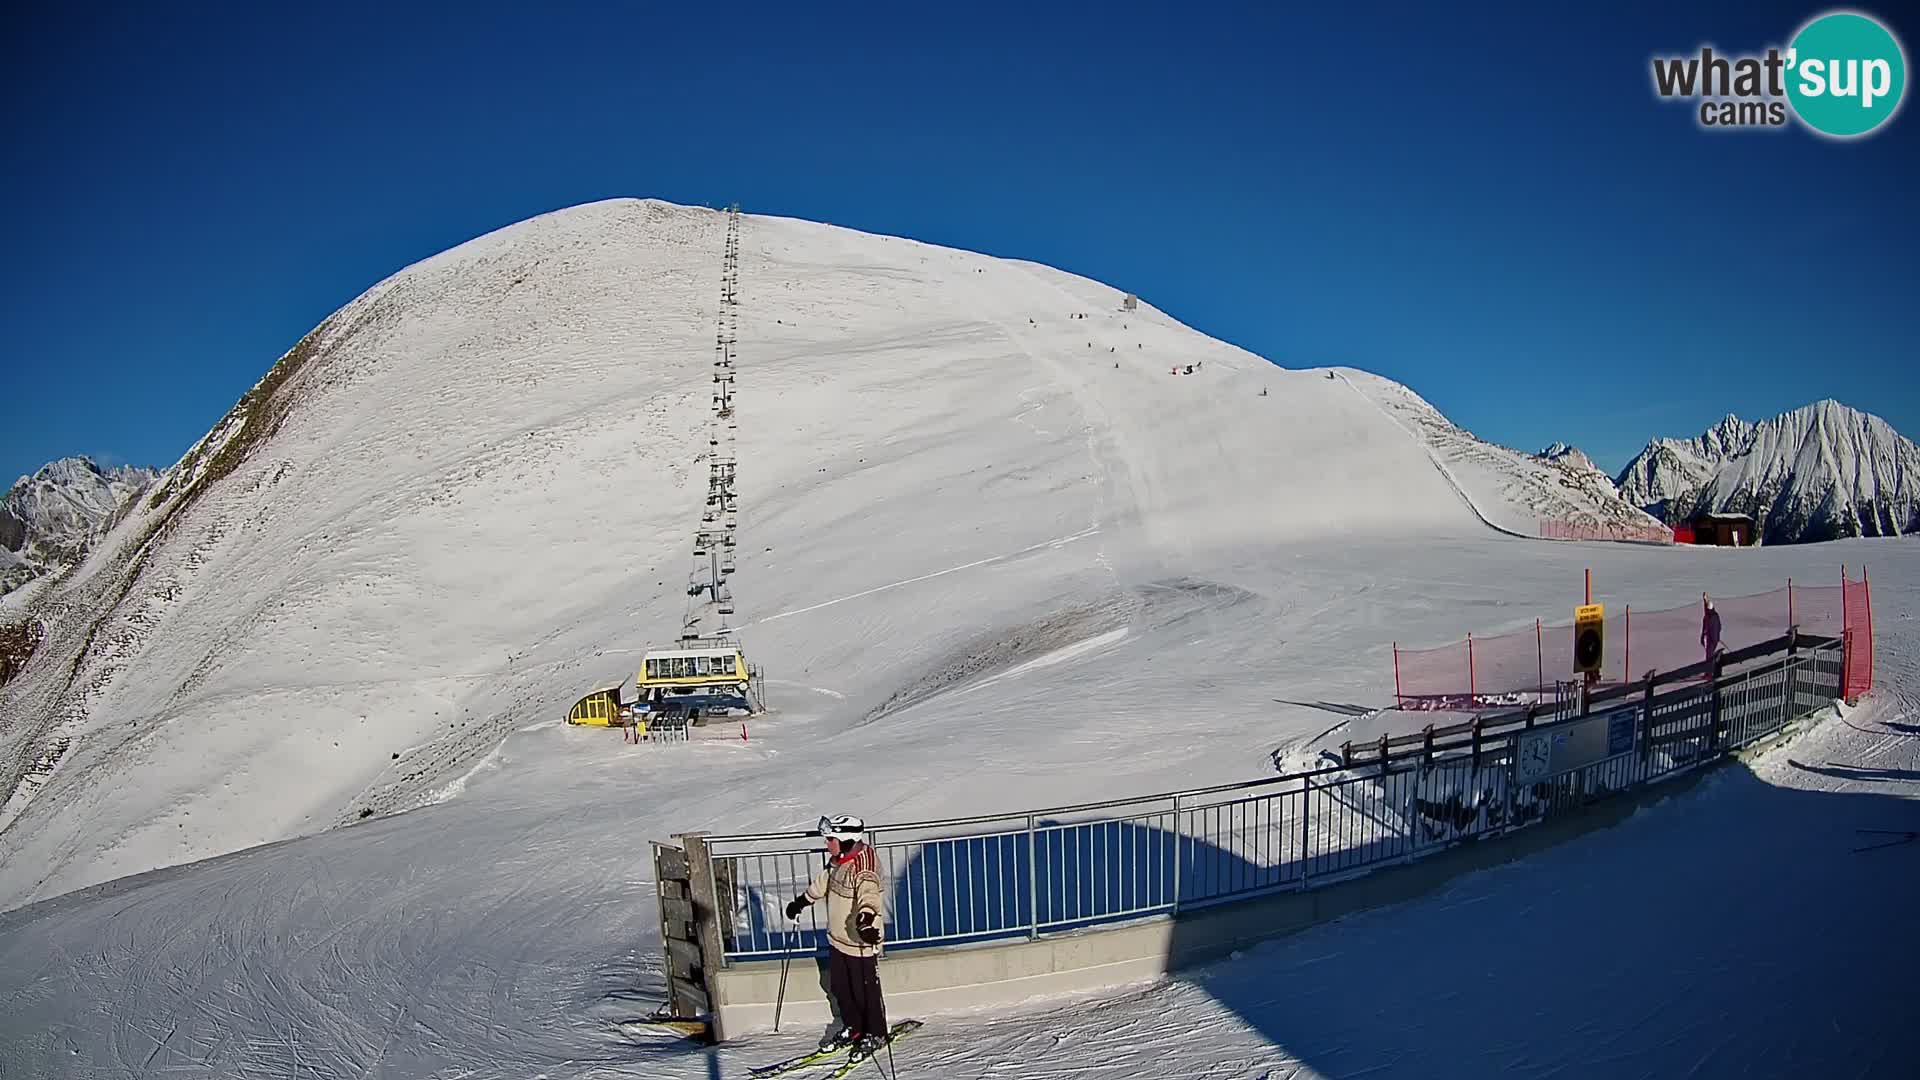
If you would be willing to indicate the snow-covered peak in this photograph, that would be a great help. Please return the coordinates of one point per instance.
(1818, 472)
(1723, 440)
(48, 519)
(1570, 456)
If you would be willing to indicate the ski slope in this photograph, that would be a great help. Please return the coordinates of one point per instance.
(993, 556)
(508, 931)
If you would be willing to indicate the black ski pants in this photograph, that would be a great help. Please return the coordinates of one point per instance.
(855, 984)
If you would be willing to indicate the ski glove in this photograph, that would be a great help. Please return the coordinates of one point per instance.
(869, 933)
(794, 907)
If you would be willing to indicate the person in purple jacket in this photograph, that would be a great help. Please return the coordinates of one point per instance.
(1710, 630)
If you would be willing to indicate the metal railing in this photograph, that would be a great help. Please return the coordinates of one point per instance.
(1007, 876)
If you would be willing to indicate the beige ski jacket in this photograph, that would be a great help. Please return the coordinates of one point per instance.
(850, 885)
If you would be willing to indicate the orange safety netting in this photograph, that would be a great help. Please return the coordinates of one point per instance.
(1496, 669)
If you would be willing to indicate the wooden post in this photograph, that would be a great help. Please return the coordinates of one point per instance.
(1383, 753)
(1846, 636)
(1646, 720)
(1473, 692)
(1539, 657)
(1397, 699)
(706, 922)
(1790, 620)
(1589, 585)
(688, 993)
(1306, 829)
(1713, 725)
(1477, 722)
(1426, 752)
(1626, 666)
(1792, 710)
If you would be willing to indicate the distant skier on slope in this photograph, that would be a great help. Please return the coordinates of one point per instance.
(850, 884)
(1710, 630)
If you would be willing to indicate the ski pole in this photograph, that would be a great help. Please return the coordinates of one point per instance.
(1904, 838)
(786, 958)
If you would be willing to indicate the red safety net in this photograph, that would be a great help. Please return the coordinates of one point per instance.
(1554, 529)
(1502, 668)
(1856, 600)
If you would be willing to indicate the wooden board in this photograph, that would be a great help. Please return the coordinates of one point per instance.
(691, 994)
(676, 911)
(670, 863)
(685, 951)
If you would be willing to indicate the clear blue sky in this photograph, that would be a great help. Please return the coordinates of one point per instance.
(1489, 205)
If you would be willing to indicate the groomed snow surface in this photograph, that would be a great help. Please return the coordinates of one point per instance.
(986, 569)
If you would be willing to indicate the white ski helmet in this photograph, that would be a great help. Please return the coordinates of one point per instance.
(843, 827)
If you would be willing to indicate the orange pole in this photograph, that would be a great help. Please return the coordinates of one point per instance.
(1539, 655)
(1626, 666)
(1790, 623)
(1589, 585)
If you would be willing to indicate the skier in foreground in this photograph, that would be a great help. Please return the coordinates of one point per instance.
(850, 884)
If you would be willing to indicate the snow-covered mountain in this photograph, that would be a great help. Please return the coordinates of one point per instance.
(426, 520)
(49, 519)
(1670, 468)
(1820, 472)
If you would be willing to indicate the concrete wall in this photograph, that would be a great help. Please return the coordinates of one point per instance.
(922, 981)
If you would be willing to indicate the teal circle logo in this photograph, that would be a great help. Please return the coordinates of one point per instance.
(1846, 74)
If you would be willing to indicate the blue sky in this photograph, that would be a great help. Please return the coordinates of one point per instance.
(1490, 206)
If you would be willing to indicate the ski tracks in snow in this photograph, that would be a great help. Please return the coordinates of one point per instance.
(1056, 542)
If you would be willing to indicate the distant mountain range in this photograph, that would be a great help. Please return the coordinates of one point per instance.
(1821, 472)
(49, 519)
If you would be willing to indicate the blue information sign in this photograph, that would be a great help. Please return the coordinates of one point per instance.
(1620, 725)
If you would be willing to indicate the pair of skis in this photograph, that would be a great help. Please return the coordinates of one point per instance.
(814, 1057)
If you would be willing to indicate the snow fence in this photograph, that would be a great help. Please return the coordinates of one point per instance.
(1489, 671)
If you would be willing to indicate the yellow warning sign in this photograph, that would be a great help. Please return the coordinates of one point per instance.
(1589, 637)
